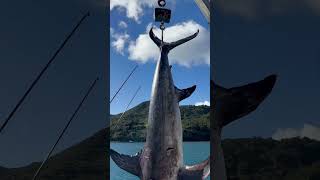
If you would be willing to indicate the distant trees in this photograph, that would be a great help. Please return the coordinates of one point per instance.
(132, 126)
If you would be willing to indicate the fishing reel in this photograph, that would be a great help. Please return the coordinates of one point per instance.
(162, 14)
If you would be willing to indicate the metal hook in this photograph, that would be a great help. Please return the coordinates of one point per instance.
(162, 27)
(162, 3)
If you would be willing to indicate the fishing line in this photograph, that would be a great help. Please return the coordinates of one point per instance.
(65, 128)
(42, 72)
(122, 115)
(123, 83)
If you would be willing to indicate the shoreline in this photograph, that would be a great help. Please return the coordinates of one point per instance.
(144, 141)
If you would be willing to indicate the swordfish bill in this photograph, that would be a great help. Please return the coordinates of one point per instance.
(162, 156)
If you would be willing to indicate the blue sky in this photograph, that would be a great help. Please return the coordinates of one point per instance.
(130, 46)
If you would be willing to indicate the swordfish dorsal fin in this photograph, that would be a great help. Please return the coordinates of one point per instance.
(171, 45)
(195, 172)
(128, 163)
(184, 93)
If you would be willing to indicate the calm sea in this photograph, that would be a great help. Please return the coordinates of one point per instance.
(194, 152)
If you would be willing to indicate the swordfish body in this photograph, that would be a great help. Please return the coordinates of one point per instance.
(162, 155)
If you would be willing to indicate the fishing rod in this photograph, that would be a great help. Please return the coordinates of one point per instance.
(42, 72)
(135, 94)
(134, 69)
(65, 128)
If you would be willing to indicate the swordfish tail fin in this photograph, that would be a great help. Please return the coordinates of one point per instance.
(154, 38)
(128, 163)
(234, 103)
(171, 45)
(181, 41)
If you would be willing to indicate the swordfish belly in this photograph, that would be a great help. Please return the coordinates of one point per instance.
(162, 155)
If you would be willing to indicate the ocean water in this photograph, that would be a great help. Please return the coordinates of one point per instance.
(194, 152)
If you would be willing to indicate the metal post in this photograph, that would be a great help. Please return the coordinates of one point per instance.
(204, 6)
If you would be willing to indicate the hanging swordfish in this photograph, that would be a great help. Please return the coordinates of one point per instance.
(162, 156)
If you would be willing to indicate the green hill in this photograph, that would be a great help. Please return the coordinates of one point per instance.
(83, 161)
(132, 126)
(267, 159)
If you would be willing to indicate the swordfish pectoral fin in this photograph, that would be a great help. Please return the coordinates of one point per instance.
(184, 93)
(128, 163)
(196, 172)
(181, 41)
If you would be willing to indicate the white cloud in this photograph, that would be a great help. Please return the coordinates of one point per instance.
(308, 130)
(123, 24)
(133, 8)
(194, 52)
(205, 103)
(311, 131)
(285, 133)
(119, 41)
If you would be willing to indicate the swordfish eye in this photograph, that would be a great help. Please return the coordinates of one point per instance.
(169, 150)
